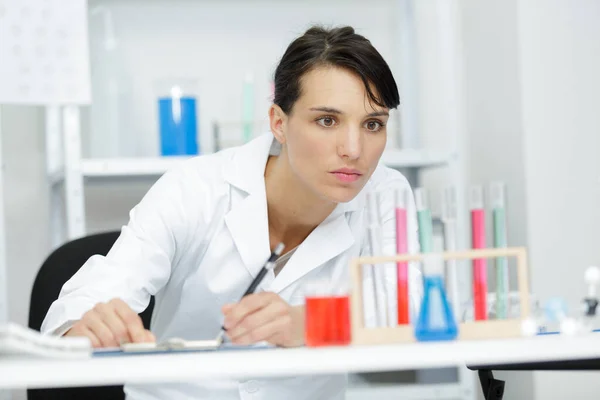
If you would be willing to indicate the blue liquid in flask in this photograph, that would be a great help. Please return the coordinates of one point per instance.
(436, 320)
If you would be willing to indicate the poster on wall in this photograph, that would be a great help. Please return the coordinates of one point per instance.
(44, 55)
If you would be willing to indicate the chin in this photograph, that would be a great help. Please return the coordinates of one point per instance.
(340, 195)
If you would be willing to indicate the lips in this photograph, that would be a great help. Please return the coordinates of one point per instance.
(349, 171)
(347, 174)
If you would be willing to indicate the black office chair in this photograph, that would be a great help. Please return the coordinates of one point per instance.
(58, 268)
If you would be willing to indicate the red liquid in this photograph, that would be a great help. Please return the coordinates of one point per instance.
(402, 267)
(327, 321)
(479, 265)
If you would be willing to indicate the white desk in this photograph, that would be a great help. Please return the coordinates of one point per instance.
(35, 373)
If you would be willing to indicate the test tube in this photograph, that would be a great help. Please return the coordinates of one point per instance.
(449, 217)
(401, 202)
(375, 243)
(424, 220)
(478, 242)
(498, 203)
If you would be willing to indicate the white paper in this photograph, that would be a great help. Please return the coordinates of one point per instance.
(17, 340)
(44, 52)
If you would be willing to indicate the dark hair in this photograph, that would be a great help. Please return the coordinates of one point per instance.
(339, 47)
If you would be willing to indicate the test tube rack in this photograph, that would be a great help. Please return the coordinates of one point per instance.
(471, 330)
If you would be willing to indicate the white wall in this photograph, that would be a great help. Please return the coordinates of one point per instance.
(494, 124)
(560, 60)
(210, 44)
(26, 214)
(492, 89)
(24, 194)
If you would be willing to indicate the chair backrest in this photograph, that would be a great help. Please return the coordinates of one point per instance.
(57, 269)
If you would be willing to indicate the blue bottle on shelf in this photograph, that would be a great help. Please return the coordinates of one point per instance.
(436, 320)
(178, 124)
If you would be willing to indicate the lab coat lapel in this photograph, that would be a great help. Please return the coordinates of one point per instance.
(247, 219)
(247, 222)
(328, 240)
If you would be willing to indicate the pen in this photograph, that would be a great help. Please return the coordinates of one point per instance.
(270, 264)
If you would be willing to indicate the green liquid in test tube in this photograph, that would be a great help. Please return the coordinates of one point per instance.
(497, 194)
(248, 107)
(424, 221)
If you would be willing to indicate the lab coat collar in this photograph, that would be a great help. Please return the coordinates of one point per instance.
(248, 221)
(246, 171)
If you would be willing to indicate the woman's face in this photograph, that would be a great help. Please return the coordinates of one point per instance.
(333, 137)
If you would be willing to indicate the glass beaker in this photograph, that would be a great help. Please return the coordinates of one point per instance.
(327, 315)
(177, 117)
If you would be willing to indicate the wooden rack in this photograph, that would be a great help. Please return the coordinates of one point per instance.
(472, 330)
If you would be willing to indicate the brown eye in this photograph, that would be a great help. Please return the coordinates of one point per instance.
(327, 122)
(373, 126)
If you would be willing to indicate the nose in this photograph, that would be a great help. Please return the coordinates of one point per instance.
(349, 144)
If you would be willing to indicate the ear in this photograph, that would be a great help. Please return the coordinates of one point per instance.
(278, 122)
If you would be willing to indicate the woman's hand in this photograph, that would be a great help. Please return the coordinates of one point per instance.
(264, 317)
(110, 324)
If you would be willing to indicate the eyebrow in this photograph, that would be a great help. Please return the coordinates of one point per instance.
(336, 111)
(379, 114)
(327, 110)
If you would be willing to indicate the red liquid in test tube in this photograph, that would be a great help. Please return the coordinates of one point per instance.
(402, 248)
(479, 265)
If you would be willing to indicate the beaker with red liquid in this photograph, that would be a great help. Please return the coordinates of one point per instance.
(327, 316)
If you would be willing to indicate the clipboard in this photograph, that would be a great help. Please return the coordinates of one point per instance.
(177, 345)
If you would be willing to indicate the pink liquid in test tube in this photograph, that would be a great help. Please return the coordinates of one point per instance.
(479, 265)
(402, 267)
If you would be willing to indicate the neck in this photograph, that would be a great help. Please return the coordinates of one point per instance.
(293, 211)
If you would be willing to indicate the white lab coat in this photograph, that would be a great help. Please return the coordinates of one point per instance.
(195, 242)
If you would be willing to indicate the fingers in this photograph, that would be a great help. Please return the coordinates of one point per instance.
(256, 319)
(246, 306)
(93, 338)
(227, 308)
(93, 321)
(80, 330)
(133, 324)
(150, 336)
(111, 324)
(114, 323)
(272, 331)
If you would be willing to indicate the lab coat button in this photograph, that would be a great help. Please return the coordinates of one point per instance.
(252, 386)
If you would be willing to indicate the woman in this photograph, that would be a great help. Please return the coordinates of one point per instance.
(204, 229)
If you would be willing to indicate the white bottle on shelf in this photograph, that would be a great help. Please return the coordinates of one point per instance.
(111, 112)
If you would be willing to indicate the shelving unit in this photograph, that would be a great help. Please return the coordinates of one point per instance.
(156, 166)
(73, 172)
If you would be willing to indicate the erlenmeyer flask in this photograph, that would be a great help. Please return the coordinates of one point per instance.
(436, 320)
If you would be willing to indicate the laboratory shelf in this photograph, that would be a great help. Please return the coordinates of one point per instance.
(120, 167)
(144, 167)
(413, 158)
